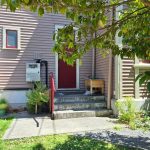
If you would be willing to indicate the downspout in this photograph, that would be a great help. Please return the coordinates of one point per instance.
(110, 74)
(109, 93)
(46, 69)
(94, 61)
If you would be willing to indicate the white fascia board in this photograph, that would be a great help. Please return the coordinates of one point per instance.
(142, 66)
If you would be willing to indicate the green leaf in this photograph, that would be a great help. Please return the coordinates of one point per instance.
(100, 23)
(40, 11)
(120, 33)
(2, 2)
(139, 76)
(142, 80)
(148, 86)
(71, 45)
(49, 9)
(147, 73)
(63, 10)
(33, 8)
(26, 1)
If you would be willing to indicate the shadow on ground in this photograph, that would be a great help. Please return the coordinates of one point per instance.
(90, 141)
(80, 143)
(39, 146)
(137, 141)
(85, 143)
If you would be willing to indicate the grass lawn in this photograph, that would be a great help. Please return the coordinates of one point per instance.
(53, 142)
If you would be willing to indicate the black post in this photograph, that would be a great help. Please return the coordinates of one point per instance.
(46, 69)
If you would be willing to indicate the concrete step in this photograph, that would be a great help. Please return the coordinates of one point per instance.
(81, 113)
(69, 92)
(78, 98)
(79, 105)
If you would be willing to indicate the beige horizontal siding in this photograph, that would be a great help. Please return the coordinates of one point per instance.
(36, 42)
(143, 87)
(128, 82)
(102, 69)
(85, 68)
(128, 79)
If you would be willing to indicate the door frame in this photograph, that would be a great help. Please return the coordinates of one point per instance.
(56, 67)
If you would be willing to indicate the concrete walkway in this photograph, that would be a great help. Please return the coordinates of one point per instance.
(25, 125)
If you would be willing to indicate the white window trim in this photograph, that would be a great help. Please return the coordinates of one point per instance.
(56, 65)
(18, 37)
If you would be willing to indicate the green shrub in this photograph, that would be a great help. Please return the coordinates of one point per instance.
(3, 101)
(127, 114)
(3, 104)
(118, 128)
(133, 125)
(126, 110)
(142, 121)
(37, 96)
(30, 108)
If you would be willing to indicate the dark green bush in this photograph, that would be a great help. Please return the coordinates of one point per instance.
(3, 104)
(37, 97)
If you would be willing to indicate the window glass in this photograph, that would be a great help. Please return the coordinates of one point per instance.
(11, 39)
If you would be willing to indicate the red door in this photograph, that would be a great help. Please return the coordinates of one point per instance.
(66, 75)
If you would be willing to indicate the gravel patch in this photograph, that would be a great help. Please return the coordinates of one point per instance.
(132, 138)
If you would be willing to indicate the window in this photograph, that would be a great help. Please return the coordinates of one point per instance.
(11, 38)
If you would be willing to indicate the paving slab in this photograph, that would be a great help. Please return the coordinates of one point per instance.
(25, 125)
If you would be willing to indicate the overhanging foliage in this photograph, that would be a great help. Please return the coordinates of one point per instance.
(96, 25)
(92, 16)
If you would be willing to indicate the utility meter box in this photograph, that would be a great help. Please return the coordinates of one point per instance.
(32, 72)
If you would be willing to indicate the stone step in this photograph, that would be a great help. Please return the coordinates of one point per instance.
(79, 105)
(78, 98)
(81, 113)
(69, 92)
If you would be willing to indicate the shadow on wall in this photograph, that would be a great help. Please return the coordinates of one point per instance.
(36, 43)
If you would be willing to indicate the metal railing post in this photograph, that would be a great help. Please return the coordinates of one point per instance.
(51, 95)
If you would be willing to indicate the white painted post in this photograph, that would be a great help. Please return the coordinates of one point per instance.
(118, 77)
(118, 62)
(137, 90)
